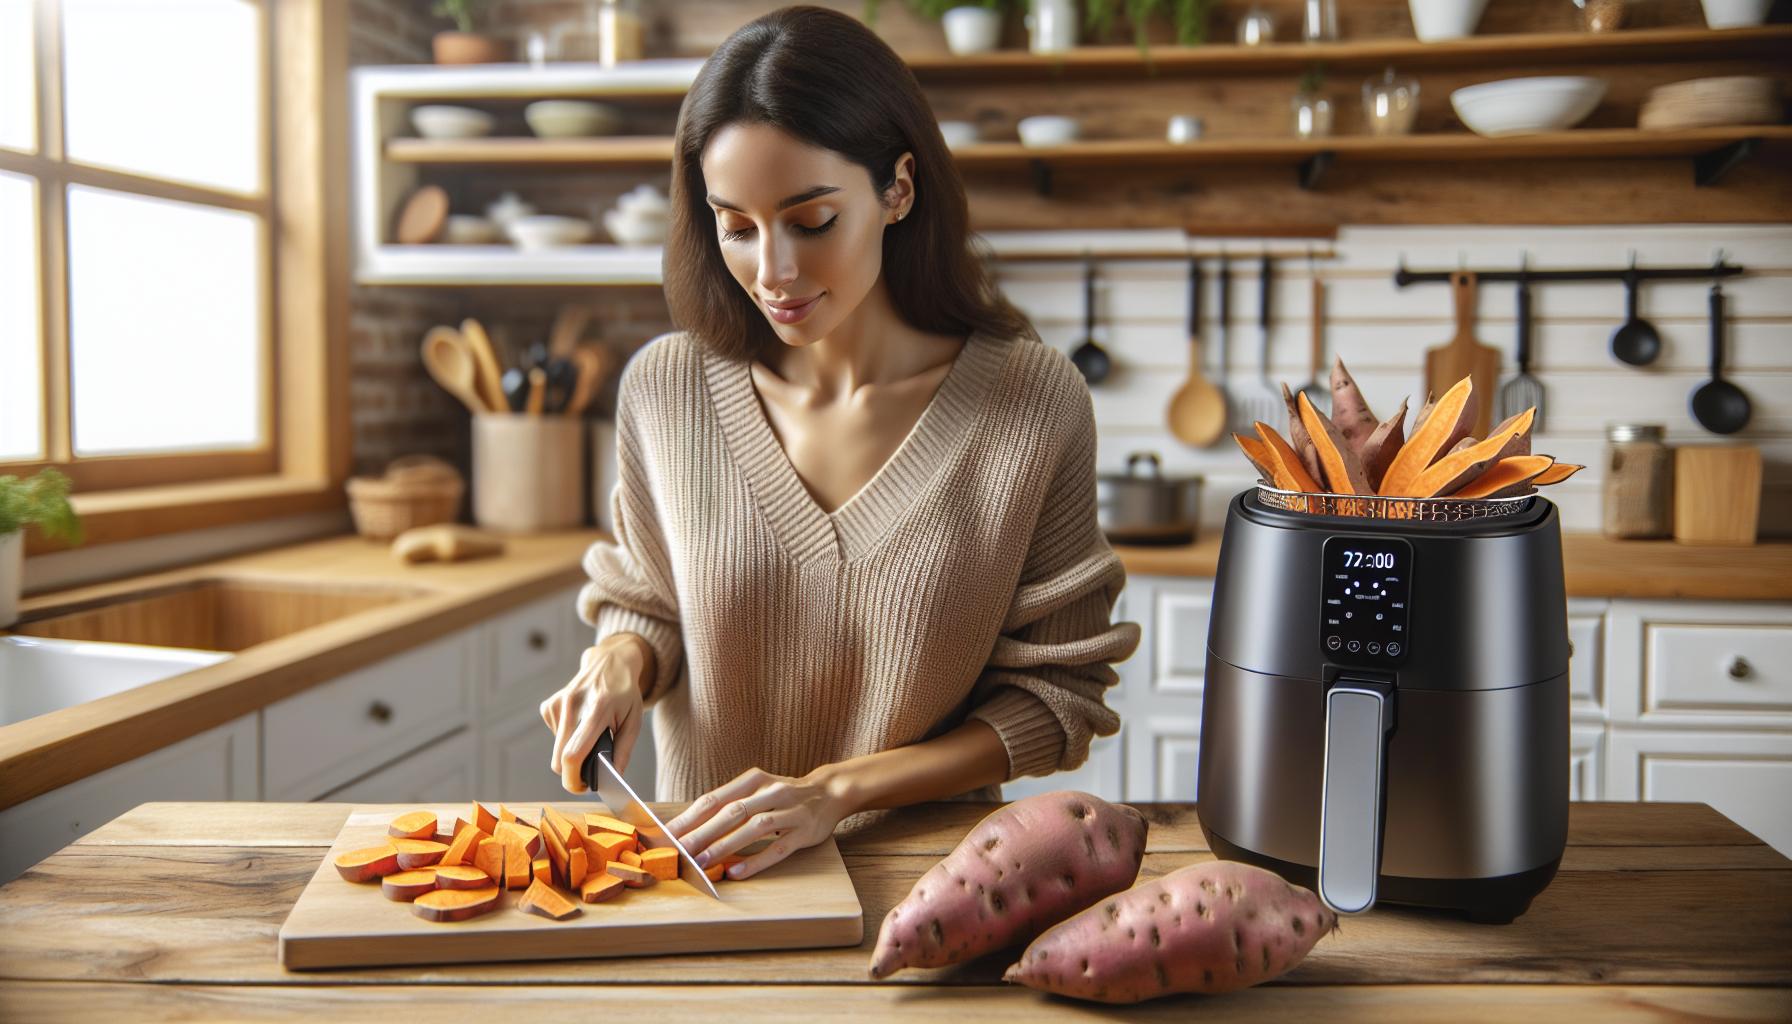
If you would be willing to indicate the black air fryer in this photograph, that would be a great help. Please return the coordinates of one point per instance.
(1385, 714)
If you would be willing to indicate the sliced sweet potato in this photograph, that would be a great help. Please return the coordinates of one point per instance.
(518, 869)
(1350, 411)
(368, 863)
(418, 853)
(630, 858)
(576, 862)
(556, 848)
(461, 876)
(1506, 478)
(1258, 453)
(661, 863)
(542, 870)
(542, 898)
(488, 856)
(484, 820)
(504, 815)
(1447, 424)
(603, 822)
(1450, 473)
(556, 823)
(1556, 474)
(1343, 470)
(526, 836)
(719, 870)
(1378, 451)
(413, 825)
(1519, 424)
(455, 904)
(600, 887)
(461, 851)
(1291, 473)
(632, 876)
(611, 844)
(408, 885)
(1298, 437)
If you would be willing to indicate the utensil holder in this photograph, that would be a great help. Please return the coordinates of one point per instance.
(528, 472)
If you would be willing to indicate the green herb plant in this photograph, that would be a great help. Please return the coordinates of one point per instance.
(40, 499)
(466, 14)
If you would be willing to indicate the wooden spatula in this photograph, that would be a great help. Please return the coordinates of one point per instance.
(1463, 356)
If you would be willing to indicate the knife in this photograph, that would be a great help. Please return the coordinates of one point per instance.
(602, 778)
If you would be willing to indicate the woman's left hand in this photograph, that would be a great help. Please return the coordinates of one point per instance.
(800, 812)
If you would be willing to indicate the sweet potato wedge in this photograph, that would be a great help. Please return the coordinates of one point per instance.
(1350, 410)
(413, 825)
(455, 904)
(368, 863)
(1343, 470)
(1258, 453)
(483, 819)
(461, 876)
(1291, 472)
(418, 853)
(1378, 451)
(461, 851)
(408, 885)
(1299, 439)
(1509, 477)
(1447, 423)
(1556, 474)
(632, 876)
(603, 822)
(661, 863)
(542, 898)
(1450, 473)
(600, 887)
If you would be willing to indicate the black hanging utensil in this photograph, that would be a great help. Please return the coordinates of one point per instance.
(1635, 341)
(1718, 405)
(1522, 391)
(1090, 359)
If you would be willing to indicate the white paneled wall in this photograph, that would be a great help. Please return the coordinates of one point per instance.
(1383, 331)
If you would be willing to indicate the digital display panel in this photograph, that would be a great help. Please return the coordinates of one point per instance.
(1367, 584)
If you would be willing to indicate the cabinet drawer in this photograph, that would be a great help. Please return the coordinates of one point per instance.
(529, 647)
(443, 772)
(1717, 668)
(315, 741)
(1744, 776)
(1586, 690)
(1182, 614)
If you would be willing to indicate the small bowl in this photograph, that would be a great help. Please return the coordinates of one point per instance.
(440, 121)
(570, 119)
(634, 230)
(958, 133)
(548, 231)
(1047, 130)
(1520, 106)
(467, 229)
(644, 201)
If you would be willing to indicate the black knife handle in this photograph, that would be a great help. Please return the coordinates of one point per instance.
(606, 745)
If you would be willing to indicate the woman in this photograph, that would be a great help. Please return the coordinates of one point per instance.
(856, 563)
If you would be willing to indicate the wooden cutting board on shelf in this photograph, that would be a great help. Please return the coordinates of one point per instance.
(1464, 356)
(805, 901)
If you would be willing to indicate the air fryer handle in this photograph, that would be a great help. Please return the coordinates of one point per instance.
(1358, 717)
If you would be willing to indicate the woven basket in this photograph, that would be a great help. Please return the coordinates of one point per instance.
(416, 490)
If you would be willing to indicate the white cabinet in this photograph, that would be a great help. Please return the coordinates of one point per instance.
(327, 735)
(1746, 776)
(444, 772)
(219, 764)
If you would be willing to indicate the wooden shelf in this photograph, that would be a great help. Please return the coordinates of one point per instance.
(1512, 50)
(609, 151)
(506, 265)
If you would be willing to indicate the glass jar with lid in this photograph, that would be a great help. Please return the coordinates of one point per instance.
(1638, 490)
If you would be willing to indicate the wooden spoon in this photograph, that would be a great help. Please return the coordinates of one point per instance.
(1197, 409)
(450, 362)
(592, 361)
(491, 384)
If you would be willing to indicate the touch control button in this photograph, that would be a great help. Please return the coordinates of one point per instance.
(1374, 648)
(1355, 646)
(1333, 643)
(1393, 650)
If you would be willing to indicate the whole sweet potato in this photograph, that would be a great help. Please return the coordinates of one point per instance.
(1024, 868)
(1210, 927)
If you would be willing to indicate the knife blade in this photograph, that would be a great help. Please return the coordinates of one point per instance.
(602, 778)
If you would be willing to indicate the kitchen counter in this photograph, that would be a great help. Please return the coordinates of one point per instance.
(51, 750)
(172, 911)
(1592, 564)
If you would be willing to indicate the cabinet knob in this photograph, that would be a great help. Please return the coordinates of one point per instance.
(537, 640)
(1740, 668)
(380, 712)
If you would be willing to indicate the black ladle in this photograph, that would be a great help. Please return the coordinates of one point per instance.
(1720, 406)
(1090, 359)
(1635, 341)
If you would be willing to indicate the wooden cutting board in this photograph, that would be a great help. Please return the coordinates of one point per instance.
(1464, 356)
(805, 901)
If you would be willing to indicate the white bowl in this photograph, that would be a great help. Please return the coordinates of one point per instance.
(547, 230)
(506, 208)
(566, 119)
(1516, 106)
(440, 121)
(634, 230)
(1047, 130)
(1735, 13)
(1445, 19)
(958, 133)
(467, 229)
(644, 201)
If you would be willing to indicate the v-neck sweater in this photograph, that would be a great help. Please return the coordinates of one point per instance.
(968, 578)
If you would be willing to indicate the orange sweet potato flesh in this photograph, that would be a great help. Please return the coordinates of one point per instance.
(517, 866)
(1343, 470)
(483, 819)
(1508, 477)
(414, 825)
(1350, 410)
(1291, 473)
(1447, 423)
(461, 876)
(661, 863)
(1449, 474)
(466, 841)
(488, 856)
(1298, 437)
(542, 898)
(408, 885)
(603, 822)
(1556, 474)
(368, 863)
(542, 870)
(576, 867)
(600, 887)
(418, 853)
(631, 876)
(1258, 453)
(526, 836)
(455, 904)
(1378, 451)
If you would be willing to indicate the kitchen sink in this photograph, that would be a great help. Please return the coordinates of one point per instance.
(210, 614)
(38, 675)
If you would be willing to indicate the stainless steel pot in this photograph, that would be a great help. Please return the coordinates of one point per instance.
(1147, 508)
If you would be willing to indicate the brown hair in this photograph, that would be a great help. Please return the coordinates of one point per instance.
(822, 77)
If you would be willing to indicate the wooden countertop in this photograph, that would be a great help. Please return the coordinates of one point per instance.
(173, 910)
(1594, 566)
(42, 753)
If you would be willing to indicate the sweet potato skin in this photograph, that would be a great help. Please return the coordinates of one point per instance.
(1212, 927)
(1024, 867)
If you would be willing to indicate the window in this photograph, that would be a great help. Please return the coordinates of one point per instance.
(137, 341)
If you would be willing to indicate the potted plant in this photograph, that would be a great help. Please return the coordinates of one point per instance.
(1188, 16)
(972, 26)
(41, 499)
(465, 44)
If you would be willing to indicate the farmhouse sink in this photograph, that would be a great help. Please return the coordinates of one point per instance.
(210, 614)
(38, 676)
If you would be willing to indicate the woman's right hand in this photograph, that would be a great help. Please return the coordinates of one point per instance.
(606, 694)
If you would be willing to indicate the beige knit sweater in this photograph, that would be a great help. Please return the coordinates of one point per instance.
(967, 578)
